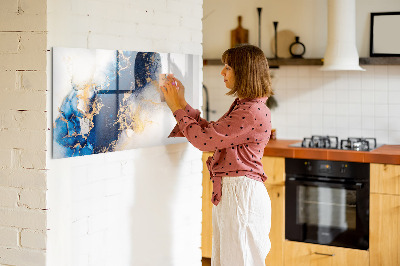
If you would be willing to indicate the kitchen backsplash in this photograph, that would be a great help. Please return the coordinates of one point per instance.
(314, 102)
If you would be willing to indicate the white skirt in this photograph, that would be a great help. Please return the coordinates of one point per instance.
(241, 223)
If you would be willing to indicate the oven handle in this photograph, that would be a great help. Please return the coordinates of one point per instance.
(324, 254)
(357, 185)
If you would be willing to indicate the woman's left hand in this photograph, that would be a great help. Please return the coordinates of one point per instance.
(170, 90)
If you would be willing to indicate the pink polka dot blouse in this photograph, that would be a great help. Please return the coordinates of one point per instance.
(238, 139)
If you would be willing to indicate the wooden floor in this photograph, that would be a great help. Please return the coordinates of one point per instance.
(206, 261)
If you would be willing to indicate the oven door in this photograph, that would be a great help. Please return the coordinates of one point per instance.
(327, 213)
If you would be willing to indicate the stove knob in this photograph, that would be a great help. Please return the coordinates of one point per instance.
(343, 168)
(308, 166)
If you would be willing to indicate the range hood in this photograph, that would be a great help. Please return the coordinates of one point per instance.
(341, 51)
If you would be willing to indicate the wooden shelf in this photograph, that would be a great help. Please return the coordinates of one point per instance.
(380, 61)
(274, 63)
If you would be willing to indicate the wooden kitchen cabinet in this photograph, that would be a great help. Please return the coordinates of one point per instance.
(206, 225)
(305, 254)
(277, 233)
(384, 236)
(385, 178)
(274, 168)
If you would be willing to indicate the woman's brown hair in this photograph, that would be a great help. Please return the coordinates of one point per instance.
(250, 66)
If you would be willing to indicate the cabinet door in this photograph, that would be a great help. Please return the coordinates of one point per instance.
(305, 254)
(385, 178)
(277, 233)
(274, 168)
(206, 232)
(384, 236)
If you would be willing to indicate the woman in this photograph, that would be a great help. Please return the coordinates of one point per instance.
(242, 208)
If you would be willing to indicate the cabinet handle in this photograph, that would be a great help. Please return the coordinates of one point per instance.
(325, 254)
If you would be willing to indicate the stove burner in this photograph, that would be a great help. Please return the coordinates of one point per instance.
(358, 144)
(332, 142)
(328, 142)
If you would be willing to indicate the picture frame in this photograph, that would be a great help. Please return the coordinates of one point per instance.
(384, 37)
(110, 100)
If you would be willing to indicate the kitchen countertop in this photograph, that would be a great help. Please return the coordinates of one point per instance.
(389, 154)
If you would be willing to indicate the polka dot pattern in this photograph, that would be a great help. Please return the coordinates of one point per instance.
(238, 139)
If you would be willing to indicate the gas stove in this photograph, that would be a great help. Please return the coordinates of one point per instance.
(332, 142)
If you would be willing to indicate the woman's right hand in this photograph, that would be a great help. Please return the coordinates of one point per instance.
(181, 92)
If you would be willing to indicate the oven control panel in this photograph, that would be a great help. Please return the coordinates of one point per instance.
(338, 169)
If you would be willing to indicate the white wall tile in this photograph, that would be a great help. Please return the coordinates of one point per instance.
(355, 109)
(292, 82)
(354, 80)
(381, 83)
(367, 96)
(355, 96)
(381, 97)
(304, 82)
(328, 74)
(293, 120)
(368, 122)
(291, 71)
(355, 132)
(380, 71)
(342, 109)
(381, 110)
(394, 123)
(316, 82)
(394, 82)
(304, 72)
(329, 94)
(305, 95)
(381, 123)
(394, 136)
(368, 110)
(342, 96)
(342, 122)
(394, 97)
(342, 133)
(382, 136)
(329, 122)
(394, 71)
(369, 71)
(361, 96)
(317, 96)
(342, 80)
(329, 109)
(315, 72)
(367, 133)
(278, 72)
(278, 83)
(394, 110)
(355, 122)
(317, 120)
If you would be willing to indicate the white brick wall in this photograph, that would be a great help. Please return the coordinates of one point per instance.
(9, 237)
(135, 207)
(33, 239)
(23, 132)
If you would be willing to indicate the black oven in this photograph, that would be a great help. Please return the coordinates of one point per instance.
(327, 202)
